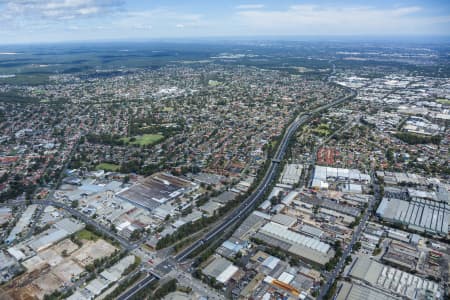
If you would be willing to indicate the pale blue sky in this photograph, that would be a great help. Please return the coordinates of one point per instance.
(30, 21)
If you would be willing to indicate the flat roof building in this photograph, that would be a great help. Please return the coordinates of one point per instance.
(422, 215)
(353, 291)
(291, 174)
(220, 269)
(23, 222)
(311, 249)
(156, 189)
(393, 280)
(323, 175)
(284, 220)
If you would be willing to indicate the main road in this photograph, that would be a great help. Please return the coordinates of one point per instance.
(149, 279)
(248, 204)
(86, 219)
(356, 235)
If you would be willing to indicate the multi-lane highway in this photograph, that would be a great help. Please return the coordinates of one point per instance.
(248, 204)
(149, 279)
(239, 213)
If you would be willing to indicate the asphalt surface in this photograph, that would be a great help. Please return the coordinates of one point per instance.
(249, 203)
(242, 211)
(150, 278)
(198, 287)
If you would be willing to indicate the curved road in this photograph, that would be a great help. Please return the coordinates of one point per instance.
(248, 204)
(242, 211)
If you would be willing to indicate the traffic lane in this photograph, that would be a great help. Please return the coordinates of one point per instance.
(338, 268)
(280, 153)
(135, 289)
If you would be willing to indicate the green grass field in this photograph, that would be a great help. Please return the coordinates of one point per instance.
(322, 130)
(144, 140)
(443, 101)
(107, 167)
(213, 83)
(87, 235)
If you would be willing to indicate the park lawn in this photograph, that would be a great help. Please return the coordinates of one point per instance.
(144, 140)
(443, 101)
(213, 83)
(87, 235)
(322, 132)
(167, 109)
(107, 167)
(303, 69)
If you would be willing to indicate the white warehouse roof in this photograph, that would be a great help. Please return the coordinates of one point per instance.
(284, 233)
(227, 273)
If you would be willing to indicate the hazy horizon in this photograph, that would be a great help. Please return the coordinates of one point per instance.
(56, 21)
(394, 39)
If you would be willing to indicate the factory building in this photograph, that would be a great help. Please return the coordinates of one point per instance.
(221, 269)
(310, 249)
(351, 179)
(393, 280)
(291, 174)
(156, 190)
(421, 215)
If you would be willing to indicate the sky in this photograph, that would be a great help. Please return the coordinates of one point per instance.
(48, 21)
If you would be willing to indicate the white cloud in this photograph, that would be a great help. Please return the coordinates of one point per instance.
(250, 6)
(142, 27)
(315, 19)
(404, 11)
(54, 10)
(158, 19)
(88, 10)
(110, 19)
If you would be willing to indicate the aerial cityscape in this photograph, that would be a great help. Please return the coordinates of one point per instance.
(241, 150)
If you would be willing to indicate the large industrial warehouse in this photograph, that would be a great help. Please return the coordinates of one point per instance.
(308, 248)
(324, 175)
(390, 279)
(155, 190)
(421, 215)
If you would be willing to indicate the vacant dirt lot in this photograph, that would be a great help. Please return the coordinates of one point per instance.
(54, 268)
(91, 251)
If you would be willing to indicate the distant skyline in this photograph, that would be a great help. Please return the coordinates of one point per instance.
(37, 21)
